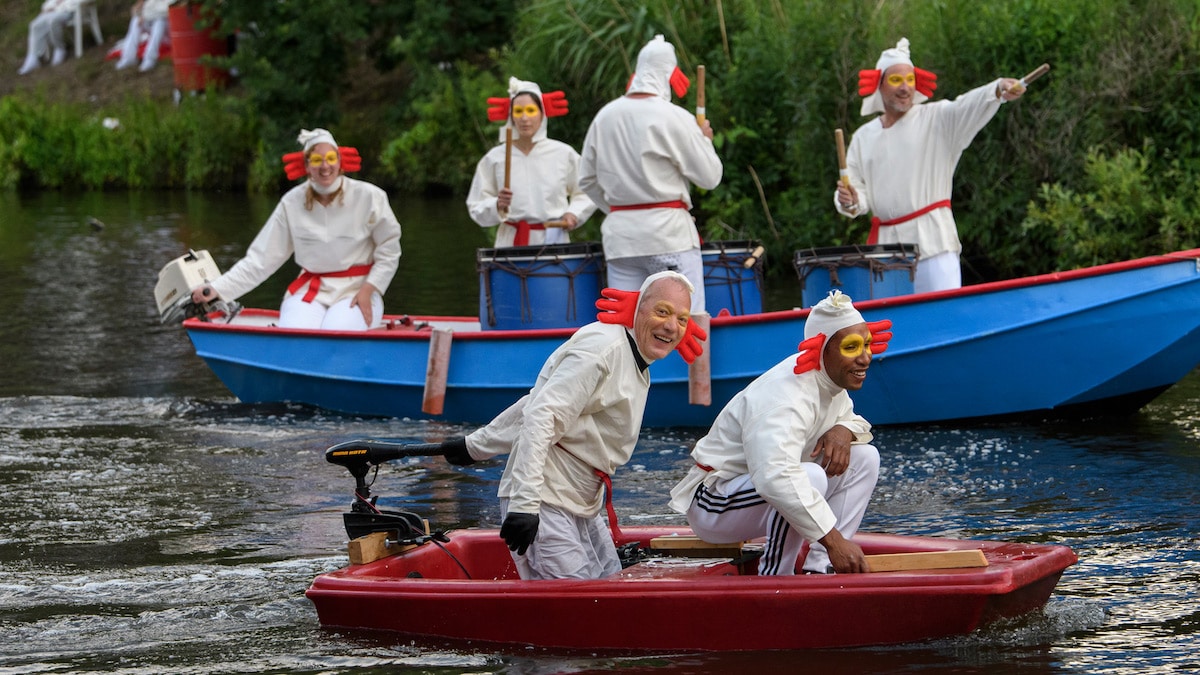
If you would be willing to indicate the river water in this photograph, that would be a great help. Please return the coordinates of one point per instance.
(151, 523)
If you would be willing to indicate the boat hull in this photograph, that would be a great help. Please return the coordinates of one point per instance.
(683, 604)
(1101, 340)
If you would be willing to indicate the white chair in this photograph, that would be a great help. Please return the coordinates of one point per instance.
(85, 12)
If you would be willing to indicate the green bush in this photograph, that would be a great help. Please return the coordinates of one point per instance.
(1128, 203)
(204, 143)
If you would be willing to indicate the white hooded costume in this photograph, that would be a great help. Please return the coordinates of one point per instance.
(544, 183)
(754, 473)
(583, 415)
(903, 169)
(640, 152)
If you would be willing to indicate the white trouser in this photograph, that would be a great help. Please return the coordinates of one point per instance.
(567, 547)
(732, 511)
(129, 47)
(938, 273)
(46, 31)
(295, 313)
(627, 274)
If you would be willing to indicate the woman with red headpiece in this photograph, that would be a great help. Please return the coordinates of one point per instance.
(344, 237)
(901, 164)
(542, 184)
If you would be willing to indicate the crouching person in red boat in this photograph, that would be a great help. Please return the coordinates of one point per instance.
(342, 232)
(578, 424)
(788, 458)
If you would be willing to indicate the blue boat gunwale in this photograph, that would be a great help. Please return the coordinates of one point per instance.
(727, 320)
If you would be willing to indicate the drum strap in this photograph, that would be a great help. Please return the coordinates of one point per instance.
(674, 204)
(314, 280)
(876, 223)
(523, 230)
(613, 526)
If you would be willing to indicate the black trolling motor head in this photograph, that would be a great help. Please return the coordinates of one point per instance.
(360, 457)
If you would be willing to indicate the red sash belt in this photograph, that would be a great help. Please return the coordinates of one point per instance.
(314, 280)
(876, 223)
(608, 489)
(674, 204)
(523, 230)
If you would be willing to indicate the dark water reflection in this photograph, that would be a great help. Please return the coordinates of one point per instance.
(153, 524)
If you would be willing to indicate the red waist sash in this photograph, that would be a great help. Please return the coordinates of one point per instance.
(314, 280)
(876, 223)
(674, 204)
(523, 230)
(606, 479)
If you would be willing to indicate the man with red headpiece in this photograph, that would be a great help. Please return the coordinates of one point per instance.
(901, 164)
(342, 233)
(543, 184)
(640, 157)
(578, 424)
(788, 458)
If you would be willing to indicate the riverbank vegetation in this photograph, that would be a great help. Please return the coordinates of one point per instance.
(1099, 161)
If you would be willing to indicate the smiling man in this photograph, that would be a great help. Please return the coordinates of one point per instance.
(900, 166)
(578, 424)
(788, 458)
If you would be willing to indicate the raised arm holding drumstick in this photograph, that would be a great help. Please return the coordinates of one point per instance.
(900, 166)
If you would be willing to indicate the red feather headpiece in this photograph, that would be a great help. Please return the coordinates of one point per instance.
(810, 349)
(620, 307)
(554, 104)
(295, 164)
(868, 82)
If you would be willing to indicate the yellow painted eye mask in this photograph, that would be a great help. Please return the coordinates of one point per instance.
(526, 111)
(329, 158)
(854, 345)
(897, 79)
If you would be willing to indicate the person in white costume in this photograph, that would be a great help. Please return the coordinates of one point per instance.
(343, 233)
(640, 157)
(544, 174)
(576, 427)
(147, 17)
(46, 34)
(788, 458)
(901, 164)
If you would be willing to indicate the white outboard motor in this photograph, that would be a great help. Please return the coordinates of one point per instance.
(173, 292)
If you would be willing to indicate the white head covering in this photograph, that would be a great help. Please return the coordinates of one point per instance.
(831, 314)
(655, 64)
(310, 138)
(890, 57)
(515, 87)
(668, 274)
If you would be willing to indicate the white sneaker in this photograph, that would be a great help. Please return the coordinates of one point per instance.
(60, 55)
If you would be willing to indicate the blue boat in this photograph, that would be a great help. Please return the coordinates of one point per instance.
(1096, 341)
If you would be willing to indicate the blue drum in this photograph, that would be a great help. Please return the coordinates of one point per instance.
(862, 272)
(530, 287)
(729, 284)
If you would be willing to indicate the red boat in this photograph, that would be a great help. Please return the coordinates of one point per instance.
(462, 586)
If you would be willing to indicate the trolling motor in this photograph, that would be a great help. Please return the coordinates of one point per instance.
(173, 292)
(360, 457)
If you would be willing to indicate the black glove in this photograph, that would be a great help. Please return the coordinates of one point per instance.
(456, 453)
(519, 530)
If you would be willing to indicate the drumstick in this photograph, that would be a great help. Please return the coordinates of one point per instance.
(557, 223)
(700, 95)
(841, 150)
(507, 162)
(1037, 72)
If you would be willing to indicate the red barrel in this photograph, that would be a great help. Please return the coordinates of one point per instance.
(189, 44)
